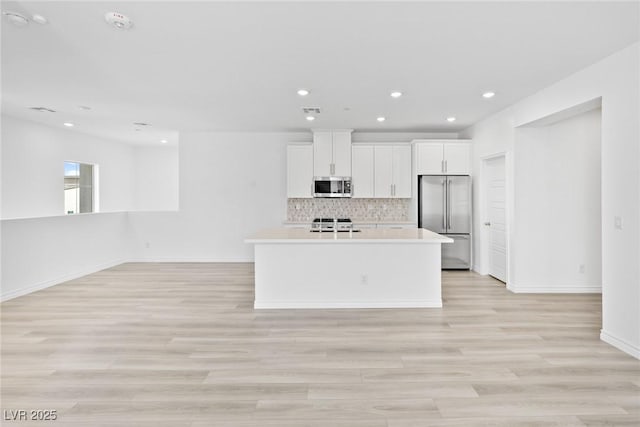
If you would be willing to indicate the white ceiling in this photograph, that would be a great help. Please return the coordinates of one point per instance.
(206, 66)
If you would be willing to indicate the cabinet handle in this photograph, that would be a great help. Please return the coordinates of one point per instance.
(394, 190)
(446, 166)
(442, 166)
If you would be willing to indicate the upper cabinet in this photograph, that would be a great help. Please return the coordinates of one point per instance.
(332, 153)
(381, 171)
(392, 171)
(443, 158)
(362, 171)
(299, 171)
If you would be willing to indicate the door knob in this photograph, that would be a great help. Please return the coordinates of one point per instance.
(487, 224)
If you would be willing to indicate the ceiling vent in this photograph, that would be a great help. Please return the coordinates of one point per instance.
(141, 124)
(42, 109)
(311, 110)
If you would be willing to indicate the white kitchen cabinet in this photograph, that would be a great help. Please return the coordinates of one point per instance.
(392, 171)
(299, 171)
(362, 171)
(332, 153)
(457, 158)
(443, 158)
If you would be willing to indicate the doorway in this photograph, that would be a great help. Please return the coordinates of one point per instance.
(495, 222)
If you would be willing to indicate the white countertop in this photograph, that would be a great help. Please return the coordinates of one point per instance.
(370, 235)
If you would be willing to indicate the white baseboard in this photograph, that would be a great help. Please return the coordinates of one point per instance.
(554, 289)
(186, 260)
(348, 304)
(620, 344)
(52, 282)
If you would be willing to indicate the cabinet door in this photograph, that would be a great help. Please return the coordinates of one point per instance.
(342, 153)
(402, 172)
(457, 157)
(322, 153)
(299, 171)
(383, 171)
(362, 171)
(430, 159)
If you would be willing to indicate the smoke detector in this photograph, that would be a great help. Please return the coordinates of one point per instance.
(118, 20)
(16, 19)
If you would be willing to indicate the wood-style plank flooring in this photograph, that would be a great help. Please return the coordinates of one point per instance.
(180, 345)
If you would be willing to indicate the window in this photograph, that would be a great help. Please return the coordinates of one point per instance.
(78, 188)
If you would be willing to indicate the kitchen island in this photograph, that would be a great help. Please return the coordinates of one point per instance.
(370, 268)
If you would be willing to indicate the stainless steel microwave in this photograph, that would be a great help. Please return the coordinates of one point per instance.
(332, 186)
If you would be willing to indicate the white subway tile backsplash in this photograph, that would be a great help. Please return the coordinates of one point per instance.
(356, 209)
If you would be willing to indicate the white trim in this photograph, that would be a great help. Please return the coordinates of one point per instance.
(61, 279)
(186, 260)
(554, 289)
(348, 304)
(493, 155)
(620, 344)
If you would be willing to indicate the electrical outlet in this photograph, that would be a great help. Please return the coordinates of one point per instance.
(581, 269)
(617, 222)
(147, 245)
(364, 279)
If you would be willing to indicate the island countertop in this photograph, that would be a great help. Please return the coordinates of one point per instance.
(366, 235)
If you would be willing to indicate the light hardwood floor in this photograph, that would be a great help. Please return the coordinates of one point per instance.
(180, 345)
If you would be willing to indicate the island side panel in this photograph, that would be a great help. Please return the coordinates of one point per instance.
(353, 275)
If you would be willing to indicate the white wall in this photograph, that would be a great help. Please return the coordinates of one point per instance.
(33, 168)
(40, 245)
(231, 185)
(616, 80)
(557, 207)
(40, 252)
(156, 178)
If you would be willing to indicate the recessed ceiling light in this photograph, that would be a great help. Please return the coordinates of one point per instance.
(39, 19)
(396, 94)
(303, 92)
(68, 124)
(164, 141)
(16, 19)
(488, 94)
(381, 119)
(84, 107)
(451, 119)
(310, 118)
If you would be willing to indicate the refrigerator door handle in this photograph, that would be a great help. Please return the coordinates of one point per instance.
(449, 205)
(444, 204)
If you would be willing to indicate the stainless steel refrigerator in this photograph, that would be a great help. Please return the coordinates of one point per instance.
(444, 206)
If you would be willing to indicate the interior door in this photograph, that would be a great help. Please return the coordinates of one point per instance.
(458, 204)
(432, 203)
(496, 218)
